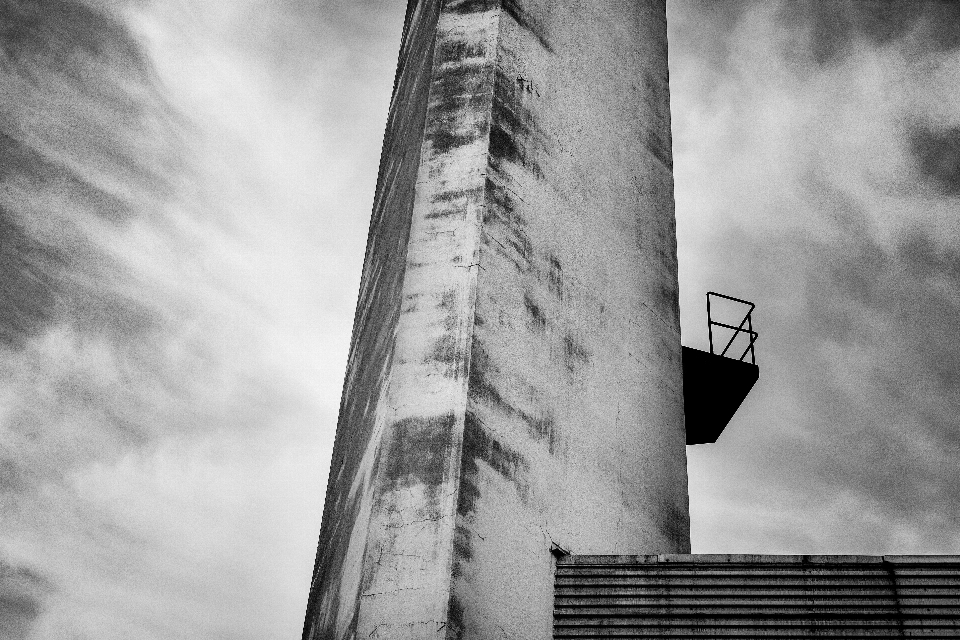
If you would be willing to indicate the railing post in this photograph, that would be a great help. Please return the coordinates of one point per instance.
(709, 323)
(747, 319)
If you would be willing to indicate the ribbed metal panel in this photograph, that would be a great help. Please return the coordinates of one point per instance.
(719, 596)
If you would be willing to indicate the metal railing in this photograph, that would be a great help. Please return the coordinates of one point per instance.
(736, 330)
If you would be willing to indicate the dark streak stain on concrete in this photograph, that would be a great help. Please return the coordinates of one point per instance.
(502, 210)
(456, 52)
(555, 277)
(460, 88)
(462, 547)
(419, 448)
(657, 135)
(575, 355)
(676, 523)
(454, 195)
(445, 137)
(455, 627)
(502, 202)
(660, 148)
(480, 445)
(444, 213)
(445, 350)
(528, 22)
(537, 316)
(483, 389)
(515, 135)
(502, 144)
(463, 7)
(479, 386)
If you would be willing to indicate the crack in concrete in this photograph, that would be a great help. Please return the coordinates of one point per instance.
(412, 522)
(393, 592)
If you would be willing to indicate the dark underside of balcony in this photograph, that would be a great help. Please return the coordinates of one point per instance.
(714, 386)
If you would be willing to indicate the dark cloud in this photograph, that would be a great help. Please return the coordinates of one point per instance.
(29, 275)
(20, 162)
(80, 107)
(873, 363)
(63, 34)
(11, 476)
(80, 116)
(833, 28)
(868, 357)
(924, 258)
(702, 27)
(22, 593)
(44, 283)
(908, 391)
(937, 154)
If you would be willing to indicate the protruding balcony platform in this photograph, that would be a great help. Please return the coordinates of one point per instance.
(714, 385)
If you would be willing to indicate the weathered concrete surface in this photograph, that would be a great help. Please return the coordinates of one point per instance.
(574, 430)
(515, 376)
(387, 533)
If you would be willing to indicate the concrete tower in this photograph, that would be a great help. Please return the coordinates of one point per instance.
(515, 375)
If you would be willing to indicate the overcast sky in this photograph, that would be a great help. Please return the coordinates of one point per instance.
(185, 189)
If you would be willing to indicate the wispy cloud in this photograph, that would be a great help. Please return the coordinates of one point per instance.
(179, 276)
(21, 595)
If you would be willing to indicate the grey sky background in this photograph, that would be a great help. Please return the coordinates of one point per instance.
(185, 189)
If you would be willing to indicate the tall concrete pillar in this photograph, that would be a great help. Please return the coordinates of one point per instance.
(515, 375)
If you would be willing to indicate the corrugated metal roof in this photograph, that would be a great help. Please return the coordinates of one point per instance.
(726, 596)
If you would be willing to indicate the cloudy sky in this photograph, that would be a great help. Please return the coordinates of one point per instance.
(185, 188)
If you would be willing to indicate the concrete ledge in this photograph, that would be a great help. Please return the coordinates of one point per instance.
(719, 558)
